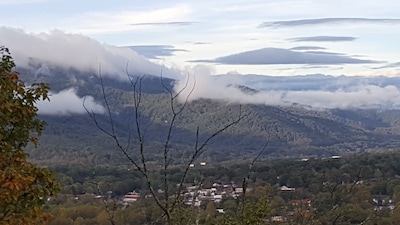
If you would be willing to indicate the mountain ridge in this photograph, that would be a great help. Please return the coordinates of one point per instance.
(290, 131)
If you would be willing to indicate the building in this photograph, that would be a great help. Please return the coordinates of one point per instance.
(131, 197)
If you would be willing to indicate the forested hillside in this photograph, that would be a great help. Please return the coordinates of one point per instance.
(290, 131)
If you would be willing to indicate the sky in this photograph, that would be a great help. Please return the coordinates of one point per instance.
(280, 38)
(196, 40)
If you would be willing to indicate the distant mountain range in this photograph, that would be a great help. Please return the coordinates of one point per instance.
(309, 82)
(289, 128)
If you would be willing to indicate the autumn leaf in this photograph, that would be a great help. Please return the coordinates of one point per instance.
(21, 190)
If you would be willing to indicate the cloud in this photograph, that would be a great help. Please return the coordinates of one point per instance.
(174, 23)
(202, 85)
(323, 53)
(268, 56)
(390, 65)
(67, 102)
(325, 21)
(322, 67)
(78, 52)
(363, 96)
(307, 48)
(117, 21)
(201, 43)
(156, 51)
(315, 91)
(323, 39)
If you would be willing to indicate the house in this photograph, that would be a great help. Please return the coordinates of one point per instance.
(131, 197)
(220, 210)
(277, 219)
(288, 189)
(301, 202)
(382, 202)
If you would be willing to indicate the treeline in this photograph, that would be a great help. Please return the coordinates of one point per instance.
(353, 189)
(381, 169)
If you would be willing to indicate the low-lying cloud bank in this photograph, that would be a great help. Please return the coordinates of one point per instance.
(77, 51)
(40, 51)
(316, 92)
(349, 93)
(68, 102)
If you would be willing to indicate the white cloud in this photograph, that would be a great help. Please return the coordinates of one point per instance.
(123, 20)
(77, 51)
(341, 93)
(377, 72)
(68, 102)
(364, 96)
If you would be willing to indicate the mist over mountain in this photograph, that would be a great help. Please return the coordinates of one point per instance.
(292, 129)
(68, 54)
(321, 91)
(304, 115)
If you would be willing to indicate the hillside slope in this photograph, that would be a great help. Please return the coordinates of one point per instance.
(291, 131)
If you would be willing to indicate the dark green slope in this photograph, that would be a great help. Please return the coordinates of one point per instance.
(289, 131)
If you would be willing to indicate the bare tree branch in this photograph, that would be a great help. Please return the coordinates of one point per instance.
(143, 167)
(199, 148)
(167, 204)
(110, 212)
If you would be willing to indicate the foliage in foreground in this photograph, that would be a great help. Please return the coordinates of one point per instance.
(24, 188)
